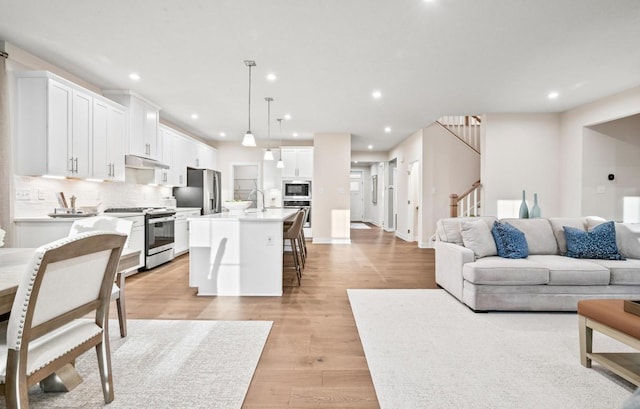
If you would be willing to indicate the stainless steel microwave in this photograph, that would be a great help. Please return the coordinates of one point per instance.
(296, 189)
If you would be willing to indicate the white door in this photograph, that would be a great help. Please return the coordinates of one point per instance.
(357, 196)
(413, 201)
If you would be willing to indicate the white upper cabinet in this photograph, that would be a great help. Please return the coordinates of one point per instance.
(298, 163)
(79, 145)
(166, 138)
(109, 122)
(55, 126)
(143, 124)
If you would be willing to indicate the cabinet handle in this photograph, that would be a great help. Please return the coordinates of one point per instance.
(197, 163)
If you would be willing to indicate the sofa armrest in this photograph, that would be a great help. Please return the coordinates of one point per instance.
(449, 261)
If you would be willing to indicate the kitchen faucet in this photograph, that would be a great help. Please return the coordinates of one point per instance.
(256, 191)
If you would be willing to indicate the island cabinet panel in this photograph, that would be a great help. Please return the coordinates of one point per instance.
(237, 253)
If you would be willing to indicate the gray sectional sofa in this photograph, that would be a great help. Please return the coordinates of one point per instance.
(546, 280)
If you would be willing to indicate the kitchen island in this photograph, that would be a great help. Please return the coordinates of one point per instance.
(237, 253)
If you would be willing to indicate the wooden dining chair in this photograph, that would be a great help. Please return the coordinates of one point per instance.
(65, 281)
(112, 224)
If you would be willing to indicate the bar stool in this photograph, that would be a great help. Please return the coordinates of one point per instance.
(292, 233)
(303, 241)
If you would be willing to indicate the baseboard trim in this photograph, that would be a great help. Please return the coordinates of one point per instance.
(319, 240)
(404, 237)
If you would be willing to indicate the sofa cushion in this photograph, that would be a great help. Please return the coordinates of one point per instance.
(510, 242)
(448, 229)
(623, 272)
(571, 271)
(557, 226)
(599, 243)
(539, 235)
(502, 271)
(477, 237)
(628, 239)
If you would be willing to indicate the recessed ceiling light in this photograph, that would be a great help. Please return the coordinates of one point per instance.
(370, 147)
(287, 116)
(222, 134)
(194, 116)
(387, 129)
(271, 77)
(376, 94)
(295, 134)
(134, 76)
(553, 95)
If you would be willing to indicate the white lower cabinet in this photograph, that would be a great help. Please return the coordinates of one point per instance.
(136, 239)
(182, 229)
(37, 232)
(31, 234)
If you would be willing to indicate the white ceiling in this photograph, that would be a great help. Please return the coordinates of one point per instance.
(427, 58)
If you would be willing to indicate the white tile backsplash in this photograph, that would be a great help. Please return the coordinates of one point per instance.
(42, 194)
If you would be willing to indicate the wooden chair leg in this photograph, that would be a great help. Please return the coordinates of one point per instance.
(104, 367)
(121, 306)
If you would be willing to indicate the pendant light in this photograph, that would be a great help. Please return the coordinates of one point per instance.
(268, 155)
(280, 164)
(249, 139)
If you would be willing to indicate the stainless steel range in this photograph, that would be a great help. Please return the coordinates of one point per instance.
(159, 232)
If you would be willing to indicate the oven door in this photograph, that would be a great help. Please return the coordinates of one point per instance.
(159, 240)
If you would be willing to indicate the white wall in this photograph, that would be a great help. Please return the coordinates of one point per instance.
(522, 152)
(449, 166)
(610, 148)
(407, 152)
(572, 125)
(331, 198)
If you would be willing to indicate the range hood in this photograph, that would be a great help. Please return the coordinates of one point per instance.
(138, 162)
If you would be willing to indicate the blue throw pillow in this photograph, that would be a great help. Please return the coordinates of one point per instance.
(510, 242)
(598, 243)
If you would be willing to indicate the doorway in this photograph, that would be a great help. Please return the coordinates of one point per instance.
(413, 200)
(356, 183)
(391, 201)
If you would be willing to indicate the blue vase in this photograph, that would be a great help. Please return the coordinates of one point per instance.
(524, 210)
(535, 210)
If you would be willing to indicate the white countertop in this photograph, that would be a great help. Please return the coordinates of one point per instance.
(270, 215)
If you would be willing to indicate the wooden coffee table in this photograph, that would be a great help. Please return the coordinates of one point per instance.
(609, 318)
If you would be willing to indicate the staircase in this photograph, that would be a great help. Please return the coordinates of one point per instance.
(466, 204)
(467, 128)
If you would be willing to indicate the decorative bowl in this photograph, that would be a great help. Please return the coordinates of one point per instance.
(237, 205)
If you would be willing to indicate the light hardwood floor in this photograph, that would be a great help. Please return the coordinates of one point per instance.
(313, 357)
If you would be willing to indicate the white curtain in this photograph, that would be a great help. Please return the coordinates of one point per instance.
(5, 153)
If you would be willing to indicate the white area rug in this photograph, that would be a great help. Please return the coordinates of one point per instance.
(426, 350)
(169, 364)
(359, 226)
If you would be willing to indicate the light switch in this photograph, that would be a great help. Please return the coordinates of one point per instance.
(601, 189)
(23, 194)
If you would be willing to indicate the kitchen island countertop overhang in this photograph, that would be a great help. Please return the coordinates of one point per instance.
(237, 253)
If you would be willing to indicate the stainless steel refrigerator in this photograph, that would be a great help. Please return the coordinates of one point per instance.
(202, 190)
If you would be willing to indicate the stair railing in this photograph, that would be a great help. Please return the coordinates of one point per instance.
(464, 127)
(466, 204)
